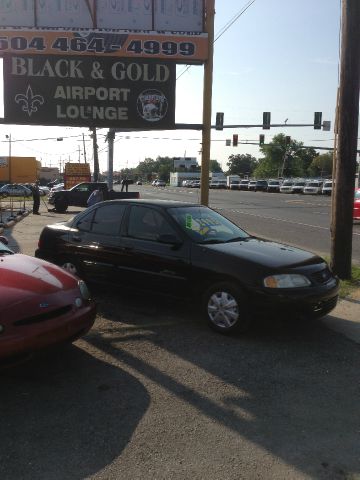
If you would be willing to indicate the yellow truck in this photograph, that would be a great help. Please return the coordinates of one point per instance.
(18, 169)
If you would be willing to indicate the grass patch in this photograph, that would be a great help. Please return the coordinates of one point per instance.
(347, 287)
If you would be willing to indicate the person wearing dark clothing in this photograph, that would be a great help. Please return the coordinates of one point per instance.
(124, 184)
(36, 198)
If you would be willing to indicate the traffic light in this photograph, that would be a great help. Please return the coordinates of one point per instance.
(219, 121)
(266, 120)
(287, 140)
(317, 120)
(261, 139)
(235, 139)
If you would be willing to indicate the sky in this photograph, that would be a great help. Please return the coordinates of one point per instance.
(280, 56)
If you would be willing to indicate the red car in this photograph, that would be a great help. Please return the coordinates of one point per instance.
(40, 305)
(356, 213)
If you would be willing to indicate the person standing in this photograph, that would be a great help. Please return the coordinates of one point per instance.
(124, 184)
(36, 198)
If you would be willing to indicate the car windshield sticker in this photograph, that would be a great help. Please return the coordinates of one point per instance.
(200, 225)
(188, 221)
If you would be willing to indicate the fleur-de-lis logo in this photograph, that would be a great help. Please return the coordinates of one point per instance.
(29, 101)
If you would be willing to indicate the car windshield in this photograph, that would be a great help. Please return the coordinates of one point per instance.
(204, 225)
(357, 194)
(299, 184)
(287, 184)
(312, 184)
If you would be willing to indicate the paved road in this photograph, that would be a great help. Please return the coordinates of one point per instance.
(302, 220)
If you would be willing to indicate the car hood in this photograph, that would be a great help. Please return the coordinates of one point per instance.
(24, 279)
(266, 253)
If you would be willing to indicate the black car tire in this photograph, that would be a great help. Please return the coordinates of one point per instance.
(225, 308)
(61, 205)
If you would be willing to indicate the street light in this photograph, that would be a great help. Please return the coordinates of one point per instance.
(9, 160)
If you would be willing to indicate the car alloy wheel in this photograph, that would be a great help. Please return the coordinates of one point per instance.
(70, 267)
(222, 308)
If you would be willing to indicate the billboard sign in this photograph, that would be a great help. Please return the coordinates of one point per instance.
(187, 49)
(172, 29)
(76, 173)
(103, 92)
(169, 15)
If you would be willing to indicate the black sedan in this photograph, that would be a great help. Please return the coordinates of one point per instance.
(188, 250)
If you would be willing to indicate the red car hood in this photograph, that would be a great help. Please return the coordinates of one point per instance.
(24, 279)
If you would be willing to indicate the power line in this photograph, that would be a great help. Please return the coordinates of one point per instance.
(225, 28)
(39, 139)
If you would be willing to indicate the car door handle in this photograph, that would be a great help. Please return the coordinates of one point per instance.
(76, 238)
(127, 249)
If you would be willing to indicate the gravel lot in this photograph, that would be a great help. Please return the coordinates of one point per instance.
(152, 393)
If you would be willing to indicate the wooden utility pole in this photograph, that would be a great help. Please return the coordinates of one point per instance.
(348, 118)
(207, 98)
(96, 158)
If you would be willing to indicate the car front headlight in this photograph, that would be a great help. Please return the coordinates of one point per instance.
(287, 281)
(85, 293)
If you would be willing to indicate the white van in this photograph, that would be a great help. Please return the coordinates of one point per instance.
(313, 187)
(327, 187)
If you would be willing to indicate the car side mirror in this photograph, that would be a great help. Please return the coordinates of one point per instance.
(170, 239)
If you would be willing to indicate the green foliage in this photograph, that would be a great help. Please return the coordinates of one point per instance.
(347, 287)
(160, 168)
(321, 165)
(241, 164)
(214, 166)
(284, 160)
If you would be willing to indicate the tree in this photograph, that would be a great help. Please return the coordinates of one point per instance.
(322, 165)
(282, 158)
(214, 166)
(241, 164)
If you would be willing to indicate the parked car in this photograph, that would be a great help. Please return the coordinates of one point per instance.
(189, 183)
(252, 185)
(159, 183)
(286, 186)
(15, 190)
(219, 184)
(139, 182)
(327, 187)
(313, 187)
(356, 212)
(273, 186)
(261, 186)
(192, 252)
(40, 305)
(44, 190)
(243, 185)
(234, 185)
(298, 186)
(195, 184)
(57, 187)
